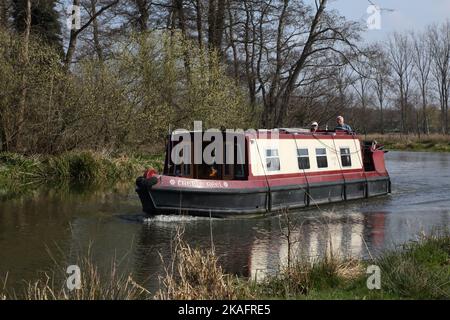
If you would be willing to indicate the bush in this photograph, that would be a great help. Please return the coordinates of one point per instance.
(155, 81)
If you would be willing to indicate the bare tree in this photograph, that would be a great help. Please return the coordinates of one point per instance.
(95, 31)
(361, 85)
(400, 56)
(439, 38)
(278, 46)
(422, 64)
(216, 18)
(74, 33)
(380, 80)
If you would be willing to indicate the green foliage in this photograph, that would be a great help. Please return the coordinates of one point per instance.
(155, 81)
(420, 271)
(20, 174)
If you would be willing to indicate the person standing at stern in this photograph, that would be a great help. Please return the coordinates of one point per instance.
(341, 125)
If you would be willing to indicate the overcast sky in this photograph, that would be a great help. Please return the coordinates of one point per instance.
(408, 14)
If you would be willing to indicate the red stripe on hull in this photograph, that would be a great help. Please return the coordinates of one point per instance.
(281, 180)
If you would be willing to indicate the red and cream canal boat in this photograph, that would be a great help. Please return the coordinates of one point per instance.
(278, 169)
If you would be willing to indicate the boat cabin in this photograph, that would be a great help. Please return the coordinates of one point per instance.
(278, 153)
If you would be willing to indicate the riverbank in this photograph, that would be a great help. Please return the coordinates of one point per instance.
(20, 174)
(416, 270)
(430, 143)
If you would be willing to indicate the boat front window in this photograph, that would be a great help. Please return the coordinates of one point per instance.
(346, 159)
(303, 159)
(232, 166)
(272, 160)
(321, 156)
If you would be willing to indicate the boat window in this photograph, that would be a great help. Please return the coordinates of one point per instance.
(346, 159)
(321, 156)
(303, 158)
(272, 160)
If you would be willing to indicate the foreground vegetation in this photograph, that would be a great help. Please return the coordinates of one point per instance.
(411, 142)
(20, 174)
(417, 270)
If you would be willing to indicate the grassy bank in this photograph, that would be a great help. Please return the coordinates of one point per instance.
(432, 142)
(417, 270)
(19, 173)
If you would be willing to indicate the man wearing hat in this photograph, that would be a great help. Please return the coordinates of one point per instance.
(341, 125)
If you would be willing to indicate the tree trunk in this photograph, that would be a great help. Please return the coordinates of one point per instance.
(424, 111)
(199, 23)
(142, 7)
(216, 18)
(446, 110)
(74, 33)
(211, 22)
(281, 105)
(72, 42)
(20, 119)
(219, 25)
(3, 138)
(233, 44)
(97, 45)
(3, 14)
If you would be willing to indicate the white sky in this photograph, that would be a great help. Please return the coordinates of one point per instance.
(408, 14)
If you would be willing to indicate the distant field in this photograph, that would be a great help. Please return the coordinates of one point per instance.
(432, 142)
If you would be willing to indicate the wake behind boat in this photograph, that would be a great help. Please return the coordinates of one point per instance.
(271, 170)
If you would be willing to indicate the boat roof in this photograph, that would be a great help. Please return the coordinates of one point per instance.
(278, 131)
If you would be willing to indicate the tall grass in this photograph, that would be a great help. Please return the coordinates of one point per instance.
(417, 270)
(420, 270)
(95, 285)
(194, 274)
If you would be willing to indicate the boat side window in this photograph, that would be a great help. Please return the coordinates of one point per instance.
(346, 159)
(272, 160)
(321, 156)
(303, 159)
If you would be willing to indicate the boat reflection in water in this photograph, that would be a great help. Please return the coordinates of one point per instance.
(352, 235)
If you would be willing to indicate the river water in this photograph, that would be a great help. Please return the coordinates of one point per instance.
(45, 228)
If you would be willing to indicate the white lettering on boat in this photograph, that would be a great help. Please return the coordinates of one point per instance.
(200, 184)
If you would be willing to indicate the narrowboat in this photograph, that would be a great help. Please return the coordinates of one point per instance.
(265, 171)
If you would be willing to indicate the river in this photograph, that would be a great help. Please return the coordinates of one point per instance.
(39, 230)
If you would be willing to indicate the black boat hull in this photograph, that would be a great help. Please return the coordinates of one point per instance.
(255, 201)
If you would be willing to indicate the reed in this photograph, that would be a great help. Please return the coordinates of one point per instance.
(95, 285)
(194, 274)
